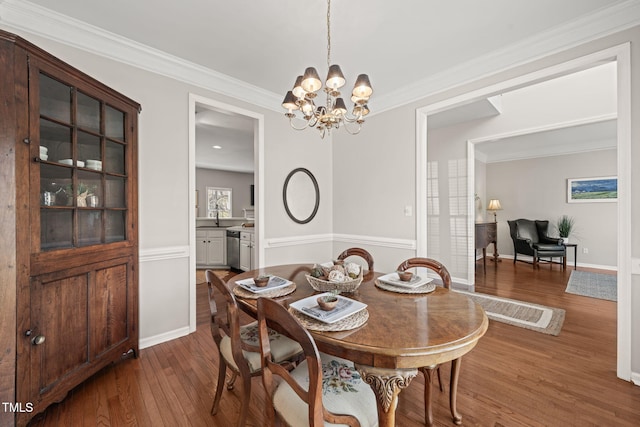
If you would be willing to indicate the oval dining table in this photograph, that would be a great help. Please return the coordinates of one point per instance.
(404, 332)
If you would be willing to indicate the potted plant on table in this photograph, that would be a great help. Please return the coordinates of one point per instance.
(565, 225)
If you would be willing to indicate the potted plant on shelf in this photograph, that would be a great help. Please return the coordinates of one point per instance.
(565, 225)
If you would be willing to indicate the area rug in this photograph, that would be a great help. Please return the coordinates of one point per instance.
(595, 285)
(539, 318)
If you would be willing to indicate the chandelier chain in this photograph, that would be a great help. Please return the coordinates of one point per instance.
(328, 34)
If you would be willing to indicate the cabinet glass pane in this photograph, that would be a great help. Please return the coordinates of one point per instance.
(56, 228)
(89, 192)
(114, 123)
(89, 227)
(115, 196)
(89, 150)
(114, 161)
(56, 139)
(55, 99)
(114, 227)
(88, 115)
(55, 186)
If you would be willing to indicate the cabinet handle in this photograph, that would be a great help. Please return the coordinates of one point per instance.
(37, 340)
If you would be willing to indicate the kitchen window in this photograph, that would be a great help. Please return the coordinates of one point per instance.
(219, 202)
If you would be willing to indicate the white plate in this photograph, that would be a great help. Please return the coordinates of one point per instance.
(44, 156)
(66, 161)
(346, 307)
(394, 279)
(80, 163)
(94, 167)
(275, 282)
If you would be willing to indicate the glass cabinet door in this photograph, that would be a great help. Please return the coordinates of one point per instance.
(83, 170)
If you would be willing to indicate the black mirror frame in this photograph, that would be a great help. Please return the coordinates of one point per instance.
(284, 195)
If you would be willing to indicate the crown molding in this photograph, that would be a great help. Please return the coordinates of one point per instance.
(26, 16)
(605, 22)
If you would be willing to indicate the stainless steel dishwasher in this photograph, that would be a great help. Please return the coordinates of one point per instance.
(233, 249)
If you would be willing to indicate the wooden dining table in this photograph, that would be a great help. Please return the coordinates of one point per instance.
(403, 333)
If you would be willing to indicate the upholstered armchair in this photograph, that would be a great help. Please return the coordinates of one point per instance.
(530, 238)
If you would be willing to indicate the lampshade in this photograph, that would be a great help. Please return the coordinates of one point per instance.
(290, 102)
(298, 92)
(362, 88)
(494, 205)
(339, 107)
(335, 78)
(311, 80)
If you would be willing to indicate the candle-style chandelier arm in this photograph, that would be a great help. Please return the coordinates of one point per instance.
(335, 112)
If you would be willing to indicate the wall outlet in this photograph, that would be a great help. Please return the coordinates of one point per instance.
(585, 250)
(635, 265)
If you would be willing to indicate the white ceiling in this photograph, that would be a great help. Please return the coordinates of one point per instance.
(409, 48)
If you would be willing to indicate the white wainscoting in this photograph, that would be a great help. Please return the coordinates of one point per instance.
(164, 294)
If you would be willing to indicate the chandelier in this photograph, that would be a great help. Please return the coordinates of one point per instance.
(334, 113)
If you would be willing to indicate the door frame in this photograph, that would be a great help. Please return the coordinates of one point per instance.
(258, 159)
(622, 55)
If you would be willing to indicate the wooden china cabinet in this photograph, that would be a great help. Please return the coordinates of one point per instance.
(69, 245)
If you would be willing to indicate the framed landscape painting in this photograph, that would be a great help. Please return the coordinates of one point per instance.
(585, 190)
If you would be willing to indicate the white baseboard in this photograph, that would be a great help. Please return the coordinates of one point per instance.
(635, 378)
(569, 263)
(164, 337)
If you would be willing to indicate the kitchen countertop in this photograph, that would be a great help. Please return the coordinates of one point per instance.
(241, 228)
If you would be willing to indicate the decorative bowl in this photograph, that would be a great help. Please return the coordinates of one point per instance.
(405, 276)
(261, 281)
(328, 302)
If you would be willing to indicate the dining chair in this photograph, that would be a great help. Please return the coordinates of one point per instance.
(321, 389)
(362, 253)
(238, 345)
(428, 371)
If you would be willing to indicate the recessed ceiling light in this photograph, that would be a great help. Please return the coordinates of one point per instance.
(217, 147)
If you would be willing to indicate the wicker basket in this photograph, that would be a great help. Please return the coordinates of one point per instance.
(325, 286)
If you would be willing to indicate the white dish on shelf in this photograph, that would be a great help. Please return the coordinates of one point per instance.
(80, 163)
(345, 308)
(66, 162)
(43, 150)
(415, 282)
(95, 168)
(43, 156)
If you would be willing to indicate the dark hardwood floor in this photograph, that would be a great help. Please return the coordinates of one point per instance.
(514, 377)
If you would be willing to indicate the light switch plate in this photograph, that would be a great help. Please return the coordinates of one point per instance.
(635, 265)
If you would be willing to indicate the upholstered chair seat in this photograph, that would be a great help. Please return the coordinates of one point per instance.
(343, 392)
(282, 348)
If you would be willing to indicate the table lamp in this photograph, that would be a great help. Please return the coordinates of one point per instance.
(494, 205)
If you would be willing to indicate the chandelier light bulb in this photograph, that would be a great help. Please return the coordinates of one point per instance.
(298, 92)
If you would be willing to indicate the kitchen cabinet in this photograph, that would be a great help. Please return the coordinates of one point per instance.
(69, 251)
(211, 247)
(247, 259)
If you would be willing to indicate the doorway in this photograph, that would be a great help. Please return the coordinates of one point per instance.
(198, 103)
(620, 54)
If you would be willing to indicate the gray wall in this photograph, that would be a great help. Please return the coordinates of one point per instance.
(239, 182)
(537, 189)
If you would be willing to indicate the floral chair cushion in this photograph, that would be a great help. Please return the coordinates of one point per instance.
(343, 392)
(282, 348)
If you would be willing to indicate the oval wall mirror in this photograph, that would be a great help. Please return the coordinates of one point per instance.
(301, 195)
